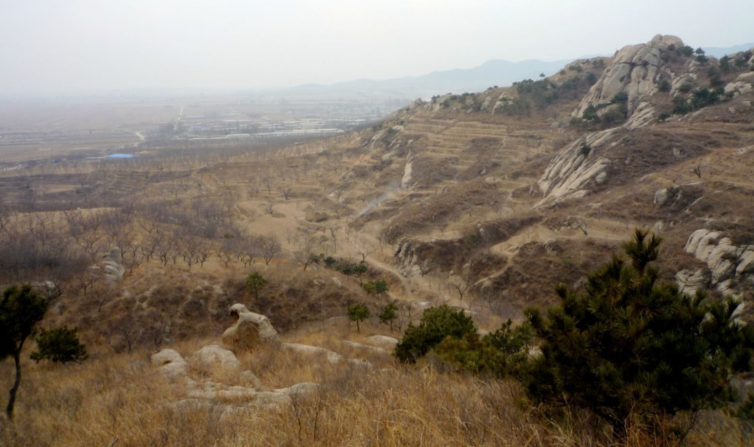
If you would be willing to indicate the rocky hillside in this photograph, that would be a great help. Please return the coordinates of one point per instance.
(484, 201)
(514, 189)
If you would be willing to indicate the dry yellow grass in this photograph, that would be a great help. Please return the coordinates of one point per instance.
(495, 161)
(123, 397)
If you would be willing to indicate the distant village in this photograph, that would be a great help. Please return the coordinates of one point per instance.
(208, 120)
(304, 120)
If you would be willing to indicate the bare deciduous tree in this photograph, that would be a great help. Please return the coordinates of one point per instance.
(225, 251)
(270, 247)
(6, 214)
(203, 252)
(305, 255)
(267, 181)
(89, 235)
(87, 279)
(334, 235)
(150, 244)
(189, 245)
(247, 248)
(118, 228)
(133, 256)
(366, 249)
(461, 287)
(165, 248)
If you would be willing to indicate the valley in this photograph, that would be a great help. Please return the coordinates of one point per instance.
(482, 201)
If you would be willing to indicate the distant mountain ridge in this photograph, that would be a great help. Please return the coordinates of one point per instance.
(720, 51)
(493, 72)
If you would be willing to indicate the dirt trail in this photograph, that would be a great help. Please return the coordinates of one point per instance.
(606, 230)
(418, 288)
(404, 282)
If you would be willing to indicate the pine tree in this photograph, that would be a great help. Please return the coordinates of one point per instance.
(436, 324)
(21, 308)
(630, 345)
(59, 345)
(358, 313)
(255, 282)
(388, 314)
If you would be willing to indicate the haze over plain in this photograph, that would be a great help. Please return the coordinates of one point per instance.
(84, 46)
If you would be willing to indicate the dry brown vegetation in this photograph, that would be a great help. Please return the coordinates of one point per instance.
(192, 219)
(122, 397)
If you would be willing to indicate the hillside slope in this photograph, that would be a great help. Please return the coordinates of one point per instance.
(484, 201)
(512, 190)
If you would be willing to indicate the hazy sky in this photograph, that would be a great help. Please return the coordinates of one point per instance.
(89, 45)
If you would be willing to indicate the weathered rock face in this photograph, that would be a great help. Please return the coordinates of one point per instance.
(635, 70)
(382, 341)
(171, 364)
(689, 281)
(367, 349)
(314, 351)
(661, 196)
(214, 390)
(250, 331)
(575, 170)
(111, 266)
(228, 400)
(744, 386)
(48, 289)
(407, 259)
(730, 266)
(743, 84)
(406, 181)
(216, 355)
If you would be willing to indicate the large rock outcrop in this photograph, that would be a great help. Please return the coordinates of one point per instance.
(250, 331)
(578, 168)
(225, 398)
(406, 180)
(407, 259)
(635, 71)
(382, 341)
(226, 401)
(112, 266)
(171, 364)
(743, 84)
(730, 266)
(314, 351)
(216, 355)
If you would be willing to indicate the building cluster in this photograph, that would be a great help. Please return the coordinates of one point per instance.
(293, 120)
